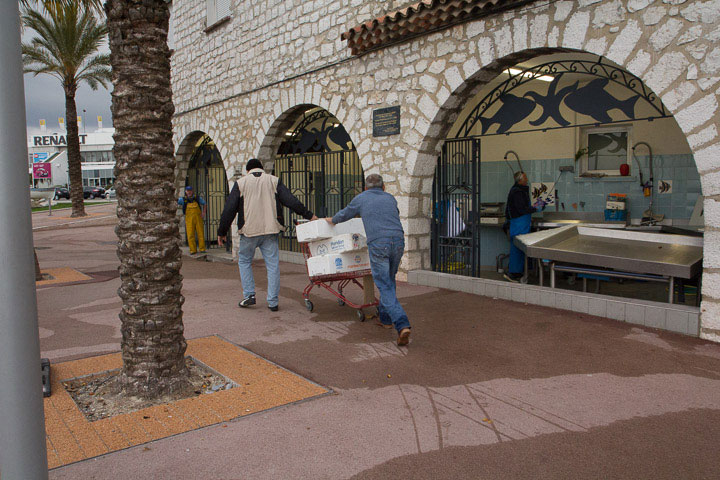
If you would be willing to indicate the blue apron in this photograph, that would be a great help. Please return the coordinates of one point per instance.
(518, 226)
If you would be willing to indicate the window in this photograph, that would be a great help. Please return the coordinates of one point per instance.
(97, 156)
(217, 10)
(604, 150)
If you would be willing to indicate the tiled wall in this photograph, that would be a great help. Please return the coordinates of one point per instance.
(496, 180)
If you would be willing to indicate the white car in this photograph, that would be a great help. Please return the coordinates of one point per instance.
(110, 193)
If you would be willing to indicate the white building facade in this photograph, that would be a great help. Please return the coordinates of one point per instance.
(95, 152)
(246, 75)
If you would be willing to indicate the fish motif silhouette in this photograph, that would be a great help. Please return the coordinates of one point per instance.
(664, 187)
(594, 101)
(307, 140)
(550, 103)
(604, 140)
(514, 109)
(339, 136)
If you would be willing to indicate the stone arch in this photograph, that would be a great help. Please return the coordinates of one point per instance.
(295, 98)
(445, 114)
(214, 196)
(692, 104)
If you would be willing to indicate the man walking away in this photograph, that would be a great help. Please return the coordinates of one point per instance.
(519, 212)
(194, 210)
(386, 243)
(257, 200)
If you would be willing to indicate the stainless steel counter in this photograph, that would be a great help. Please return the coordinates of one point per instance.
(641, 252)
(616, 253)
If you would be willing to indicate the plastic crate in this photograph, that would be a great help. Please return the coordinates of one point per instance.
(615, 215)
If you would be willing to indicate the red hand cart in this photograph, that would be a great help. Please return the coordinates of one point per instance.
(343, 280)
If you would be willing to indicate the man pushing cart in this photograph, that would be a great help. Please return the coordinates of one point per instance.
(386, 244)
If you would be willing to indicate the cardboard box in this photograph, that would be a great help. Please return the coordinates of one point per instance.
(320, 229)
(347, 242)
(338, 263)
(354, 225)
(315, 230)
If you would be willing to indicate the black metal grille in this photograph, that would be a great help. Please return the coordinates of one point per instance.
(456, 200)
(324, 182)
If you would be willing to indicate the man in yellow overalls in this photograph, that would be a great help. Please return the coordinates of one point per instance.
(194, 210)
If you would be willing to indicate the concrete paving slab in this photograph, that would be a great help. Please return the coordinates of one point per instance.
(486, 389)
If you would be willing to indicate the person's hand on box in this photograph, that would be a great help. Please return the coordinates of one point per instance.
(314, 217)
(329, 220)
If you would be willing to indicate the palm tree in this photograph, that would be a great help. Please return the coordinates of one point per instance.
(65, 46)
(153, 345)
(52, 5)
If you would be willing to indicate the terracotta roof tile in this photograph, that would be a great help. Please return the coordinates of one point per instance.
(418, 18)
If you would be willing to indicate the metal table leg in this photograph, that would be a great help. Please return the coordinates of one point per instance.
(552, 274)
(542, 271)
(671, 293)
(584, 284)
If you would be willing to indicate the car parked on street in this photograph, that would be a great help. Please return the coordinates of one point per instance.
(110, 193)
(62, 192)
(93, 192)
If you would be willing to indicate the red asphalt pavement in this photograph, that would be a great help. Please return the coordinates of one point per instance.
(487, 388)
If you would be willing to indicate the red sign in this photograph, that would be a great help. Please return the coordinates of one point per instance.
(41, 170)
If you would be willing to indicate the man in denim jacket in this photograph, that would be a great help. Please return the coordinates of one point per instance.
(386, 243)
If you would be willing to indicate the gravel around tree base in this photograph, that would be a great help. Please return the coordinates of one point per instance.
(99, 396)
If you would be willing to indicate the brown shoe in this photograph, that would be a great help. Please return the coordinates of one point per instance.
(403, 337)
(383, 325)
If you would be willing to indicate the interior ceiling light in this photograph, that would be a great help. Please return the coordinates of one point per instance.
(517, 71)
(289, 134)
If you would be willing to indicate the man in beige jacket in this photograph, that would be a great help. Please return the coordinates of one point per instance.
(257, 200)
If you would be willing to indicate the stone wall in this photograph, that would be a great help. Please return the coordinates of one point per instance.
(237, 83)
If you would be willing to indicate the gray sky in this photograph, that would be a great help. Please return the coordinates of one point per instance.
(44, 98)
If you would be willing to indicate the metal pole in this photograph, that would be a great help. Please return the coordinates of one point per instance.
(22, 422)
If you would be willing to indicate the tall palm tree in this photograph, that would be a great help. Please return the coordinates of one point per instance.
(153, 345)
(65, 46)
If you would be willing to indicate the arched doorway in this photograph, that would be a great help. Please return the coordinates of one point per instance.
(206, 174)
(318, 163)
(573, 122)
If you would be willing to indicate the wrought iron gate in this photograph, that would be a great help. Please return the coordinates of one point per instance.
(456, 204)
(325, 182)
(206, 175)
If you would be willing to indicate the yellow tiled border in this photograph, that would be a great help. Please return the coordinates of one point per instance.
(261, 384)
(62, 275)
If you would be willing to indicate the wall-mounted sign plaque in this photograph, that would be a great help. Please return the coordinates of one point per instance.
(386, 121)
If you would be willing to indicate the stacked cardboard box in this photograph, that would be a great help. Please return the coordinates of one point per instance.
(334, 249)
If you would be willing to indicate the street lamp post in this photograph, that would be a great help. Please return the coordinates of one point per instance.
(23, 454)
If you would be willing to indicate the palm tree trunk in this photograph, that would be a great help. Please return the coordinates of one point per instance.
(73, 151)
(153, 345)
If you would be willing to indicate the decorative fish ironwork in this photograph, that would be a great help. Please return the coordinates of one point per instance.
(591, 100)
(514, 109)
(594, 101)
(550, 103)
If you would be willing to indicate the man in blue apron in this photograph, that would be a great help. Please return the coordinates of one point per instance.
(519, 213)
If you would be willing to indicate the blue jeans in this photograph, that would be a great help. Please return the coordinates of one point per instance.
(268, 245)
(385, 255)
(518, 226)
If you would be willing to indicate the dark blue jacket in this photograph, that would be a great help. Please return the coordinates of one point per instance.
(379, 213)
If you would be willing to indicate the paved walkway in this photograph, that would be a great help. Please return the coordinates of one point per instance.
(486, 389)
